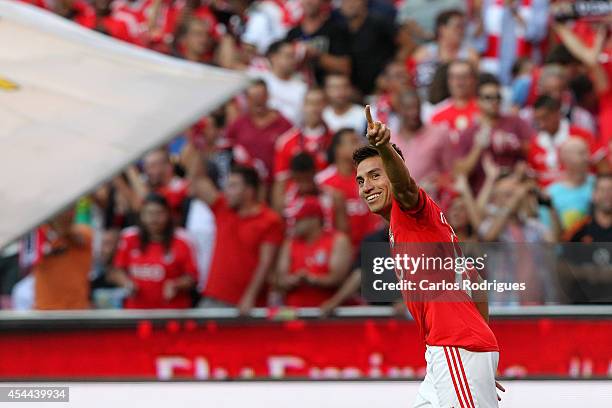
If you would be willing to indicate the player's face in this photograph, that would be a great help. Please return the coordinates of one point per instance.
(374, 186)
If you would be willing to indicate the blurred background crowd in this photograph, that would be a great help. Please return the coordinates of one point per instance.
(502, 109)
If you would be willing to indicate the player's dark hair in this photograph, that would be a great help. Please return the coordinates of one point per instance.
(365, 152)
(487, 79)
(444, 17)
(249, 175)
(302, 163)
(168, 232)
(547, 102)
(335, 142)
(276, 46)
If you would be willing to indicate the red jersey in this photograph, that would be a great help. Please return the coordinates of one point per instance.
(295, 141)
(361, 220)
(237, 246)
(456, 118)
(313, 257)
(455, 323)
(543, 154)
(149, 270)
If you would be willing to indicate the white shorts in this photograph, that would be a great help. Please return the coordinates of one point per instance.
(457, 378)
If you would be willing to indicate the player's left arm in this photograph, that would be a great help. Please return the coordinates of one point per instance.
(404, 188)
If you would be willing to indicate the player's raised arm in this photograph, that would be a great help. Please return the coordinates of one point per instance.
(403, 186)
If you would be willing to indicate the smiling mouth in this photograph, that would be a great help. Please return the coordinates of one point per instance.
(372, 197)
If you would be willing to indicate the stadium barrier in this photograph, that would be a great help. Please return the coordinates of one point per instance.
(371, 343)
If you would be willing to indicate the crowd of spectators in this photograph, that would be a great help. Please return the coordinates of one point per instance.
(503, 113)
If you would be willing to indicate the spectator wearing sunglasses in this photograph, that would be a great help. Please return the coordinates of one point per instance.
(505, 138)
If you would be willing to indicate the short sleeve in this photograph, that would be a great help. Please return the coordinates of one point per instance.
(420, 209)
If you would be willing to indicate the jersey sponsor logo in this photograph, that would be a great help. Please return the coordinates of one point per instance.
(153, 273)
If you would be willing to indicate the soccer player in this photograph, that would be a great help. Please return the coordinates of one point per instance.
(462, 352)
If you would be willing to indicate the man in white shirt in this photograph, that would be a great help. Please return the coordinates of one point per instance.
(286, 91)
(341, 112)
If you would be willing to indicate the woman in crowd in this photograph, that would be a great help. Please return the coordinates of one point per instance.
(155, 262)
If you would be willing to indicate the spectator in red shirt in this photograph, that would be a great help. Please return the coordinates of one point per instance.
(458, 112)
(259, 128)
(155, 262)
(312, 137)
(301, 185)
(247, 239)
(504, 138)
(543, 155)
(340, 177)
(314, 261)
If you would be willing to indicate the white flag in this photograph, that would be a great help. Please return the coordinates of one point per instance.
(77, 106)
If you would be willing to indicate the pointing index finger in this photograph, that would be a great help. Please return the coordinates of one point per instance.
(368, 115)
